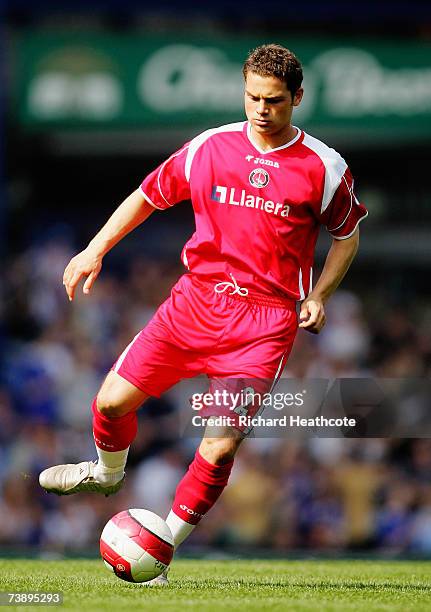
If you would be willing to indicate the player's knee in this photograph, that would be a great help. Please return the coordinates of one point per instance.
(111, 406)
(219, 451)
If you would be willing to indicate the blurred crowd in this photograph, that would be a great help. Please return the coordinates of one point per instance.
(284, 495)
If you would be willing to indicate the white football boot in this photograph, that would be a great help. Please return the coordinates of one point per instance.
(75, 478)
(160, 581)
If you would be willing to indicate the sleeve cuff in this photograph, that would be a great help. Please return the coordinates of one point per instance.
(353, 231)
(149, 199)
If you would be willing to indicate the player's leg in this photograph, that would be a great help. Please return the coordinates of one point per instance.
(203, 483)
(153, 362)
(114, 428)
(251, 356)
(200, 488)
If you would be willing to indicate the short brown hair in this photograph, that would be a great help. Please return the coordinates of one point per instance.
(275, 60)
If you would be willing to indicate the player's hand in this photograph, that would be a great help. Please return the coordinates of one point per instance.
(312, 316)
(87, 265)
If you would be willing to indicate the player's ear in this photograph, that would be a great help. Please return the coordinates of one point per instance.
(298, 96)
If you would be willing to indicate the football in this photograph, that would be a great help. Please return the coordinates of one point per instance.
(137, 545)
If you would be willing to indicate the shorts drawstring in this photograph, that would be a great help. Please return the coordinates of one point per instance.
(221, 287)
(233, 291)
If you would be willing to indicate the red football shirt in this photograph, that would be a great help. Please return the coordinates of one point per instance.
(257, 212)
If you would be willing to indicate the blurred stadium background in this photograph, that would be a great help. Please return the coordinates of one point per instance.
(94, 95)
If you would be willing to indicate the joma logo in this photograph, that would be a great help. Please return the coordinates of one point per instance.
(262, 161)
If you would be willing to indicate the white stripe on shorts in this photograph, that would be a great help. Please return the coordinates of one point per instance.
(123, 355)
(278, 373)
(261, 408)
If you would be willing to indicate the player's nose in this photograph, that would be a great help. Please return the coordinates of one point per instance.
(262, 109)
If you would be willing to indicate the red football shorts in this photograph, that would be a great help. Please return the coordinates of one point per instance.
(199, 331)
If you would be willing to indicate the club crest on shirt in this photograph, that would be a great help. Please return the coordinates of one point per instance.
(258, 178)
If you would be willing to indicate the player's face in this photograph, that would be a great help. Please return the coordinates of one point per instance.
(269, 106)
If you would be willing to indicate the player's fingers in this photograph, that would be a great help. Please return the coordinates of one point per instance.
(90, 281)
(313, 328)
(307, 324)
(316, 327)
(70, 290)
(314, 321)
(322, 321)
(66, 281)
(70, 285)
(304, 313)
(69, 270)
(309, 315)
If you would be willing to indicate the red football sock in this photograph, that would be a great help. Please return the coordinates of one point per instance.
(113, 433)
(200, 488)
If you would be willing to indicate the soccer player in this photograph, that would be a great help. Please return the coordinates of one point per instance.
(260, 189)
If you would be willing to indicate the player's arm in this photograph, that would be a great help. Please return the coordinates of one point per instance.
(338, 260)
(88, 263)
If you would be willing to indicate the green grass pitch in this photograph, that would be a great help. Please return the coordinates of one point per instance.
(248, 585)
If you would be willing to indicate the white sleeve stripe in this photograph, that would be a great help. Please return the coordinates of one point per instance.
(329, 191)
(162, 168)
(148, 199)
(334, 229)
(201, 138)
(353, 231)
(334, 164)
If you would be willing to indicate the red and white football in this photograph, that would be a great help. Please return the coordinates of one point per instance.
(137, 545)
